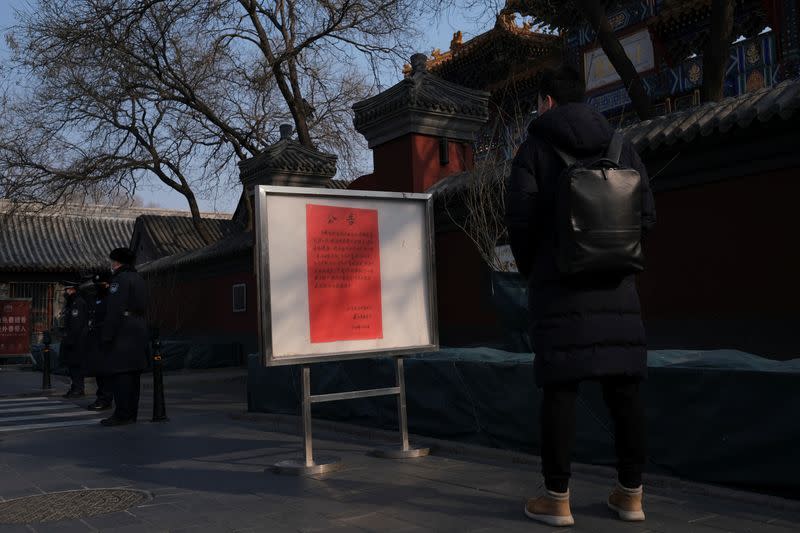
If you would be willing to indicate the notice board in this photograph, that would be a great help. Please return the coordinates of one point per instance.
(15, 327)
(344, 274)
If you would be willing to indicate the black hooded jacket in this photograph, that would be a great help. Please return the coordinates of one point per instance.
(76, 324)
(124, 333)
(581, 329)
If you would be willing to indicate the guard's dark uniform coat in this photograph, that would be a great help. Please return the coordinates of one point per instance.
(76, 328)
(124, 337)
(580, 329)
(96, 360)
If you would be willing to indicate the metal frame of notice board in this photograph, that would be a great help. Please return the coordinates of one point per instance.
(28, 355)
(308, 464)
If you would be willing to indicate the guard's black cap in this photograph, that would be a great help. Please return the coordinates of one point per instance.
(123, 255)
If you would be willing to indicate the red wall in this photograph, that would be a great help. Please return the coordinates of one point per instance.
(187, 304)
(411, 164)
(722, 250)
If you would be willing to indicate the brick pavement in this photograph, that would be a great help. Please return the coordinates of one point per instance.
(206, 472)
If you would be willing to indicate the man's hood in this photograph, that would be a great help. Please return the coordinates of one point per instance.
(578, 129)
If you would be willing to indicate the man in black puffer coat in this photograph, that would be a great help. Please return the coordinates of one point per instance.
(124, 336)
(97, 360)
(73, 345)
(582, 329)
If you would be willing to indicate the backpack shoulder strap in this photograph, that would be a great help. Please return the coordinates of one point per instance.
(614, 148)
(565, 157)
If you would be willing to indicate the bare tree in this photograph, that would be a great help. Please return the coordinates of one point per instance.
(119, 90)
(307, 45)
(477, 206)
(475, 200)
(114, 90)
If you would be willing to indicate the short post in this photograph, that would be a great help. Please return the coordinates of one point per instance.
(159, 408)
(46, 361)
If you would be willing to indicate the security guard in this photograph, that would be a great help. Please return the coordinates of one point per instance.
(96, 358)
(73, 344)
(124, 336)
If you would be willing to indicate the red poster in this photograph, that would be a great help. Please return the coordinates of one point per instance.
(15, 332)
(344, 273)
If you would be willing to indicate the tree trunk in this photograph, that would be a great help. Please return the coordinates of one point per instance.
(300, 120)
(197, 220)
(715, 56)
(595, 14)
(291, 90)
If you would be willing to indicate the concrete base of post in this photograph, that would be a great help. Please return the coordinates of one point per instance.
(298, 467)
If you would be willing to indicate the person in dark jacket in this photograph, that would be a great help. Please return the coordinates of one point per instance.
(96, 358)
(582, 329)
(73, 344)
(124, 336)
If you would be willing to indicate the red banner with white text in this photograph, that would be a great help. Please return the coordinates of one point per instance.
(344, 273)
(15, 332)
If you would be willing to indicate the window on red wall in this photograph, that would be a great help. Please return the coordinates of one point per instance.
(239, 298)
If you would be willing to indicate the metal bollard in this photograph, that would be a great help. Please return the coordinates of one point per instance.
(46, 361)
(159, 408)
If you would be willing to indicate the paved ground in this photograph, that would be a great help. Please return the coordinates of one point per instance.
(206, 472)
(14, 383)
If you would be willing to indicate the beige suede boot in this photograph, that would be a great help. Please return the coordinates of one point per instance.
(551, 509)
(627, 503)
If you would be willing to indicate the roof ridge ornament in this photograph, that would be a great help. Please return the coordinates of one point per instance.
(286, 131)
(419, 64)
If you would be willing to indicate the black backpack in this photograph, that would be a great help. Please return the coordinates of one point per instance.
(599, 216)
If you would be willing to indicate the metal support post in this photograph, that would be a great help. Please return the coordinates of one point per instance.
(46, 361)
(159, 406)
(307, 466)
(405, 451)
(308, 441)
(401, 404)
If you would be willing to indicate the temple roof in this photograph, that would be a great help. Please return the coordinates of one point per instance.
(716, 118)
(288, 156)
(169, 235)
(422, 90)
(555, 13)
(493, 56)
(69, 238)
(423, 103)
(234, 244)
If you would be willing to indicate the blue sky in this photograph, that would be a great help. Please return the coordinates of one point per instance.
(436, 34)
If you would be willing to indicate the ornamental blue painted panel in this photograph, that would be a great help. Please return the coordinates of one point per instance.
(633, 13)
(610, 100)
(767, 49)
(751, 65)
(731, 86)
(658, 84)
(675, 84)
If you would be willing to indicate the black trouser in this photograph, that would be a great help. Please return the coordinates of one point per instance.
(105, 389)
(623, 400)
(126, 395)
(77, 375)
